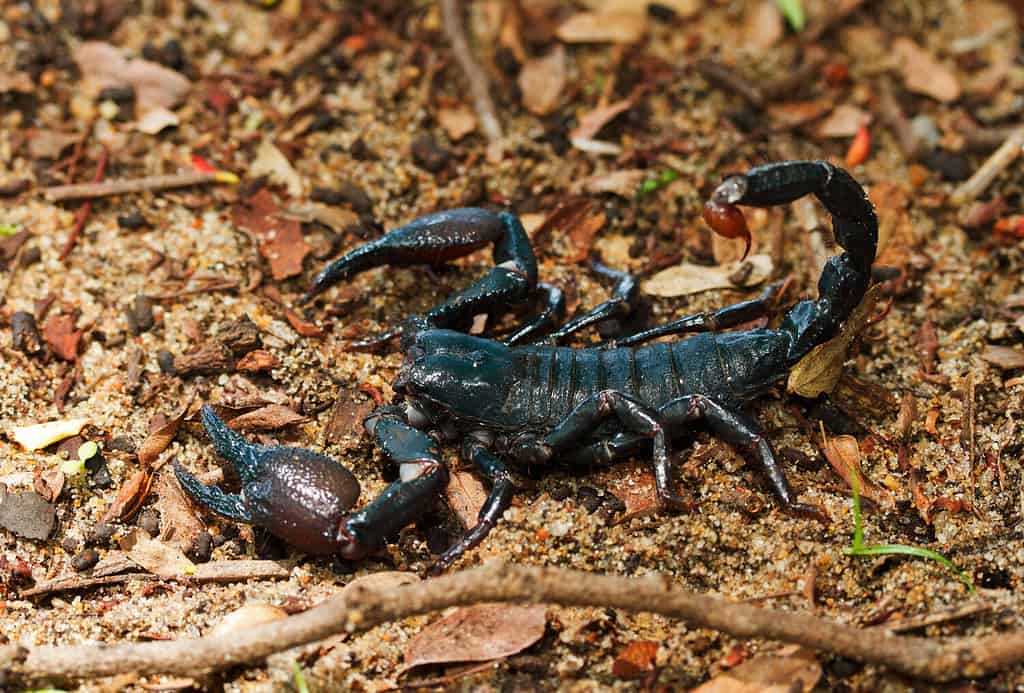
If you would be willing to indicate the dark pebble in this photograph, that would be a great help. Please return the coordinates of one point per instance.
(202, 548)
(561, 492)
(219, 540)
(165, 360)
(614, 503)
(506, 61)
(121, 444)
(590, 503)
(31, 256)
(427, 154)
(661, 13)
(843, 668)
(70, 544)
(437, 540)
(360, 151)
(631, 563)
(131, 220)
(16, 186)
(952, 166)
(339, 566)
(174, 55)
(25, 333)
(85, 560)
(994, 578)
(151, 52)
(119, 94)
(149, 522)
(140, 314)
(99, 473)
(102, 533)
(587, 491)
(322, 122)
(531, 664)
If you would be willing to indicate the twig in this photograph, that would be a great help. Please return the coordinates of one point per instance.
(891, 113)
(362, 607)
(479, 85)
(993, 166)
(915, 622)
(83, 211)
(88, 191)
(727, 78)
(305, 49)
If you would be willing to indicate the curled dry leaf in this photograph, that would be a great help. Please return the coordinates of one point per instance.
(156, 557)
(272, 163)
(477, 634)
(542, 81)
(843, 453)
(246, 617)
(158, 440)
(603, 27)
(687, 278)
(281, 241)
(179, 523)
(819, 371)
(784, 672)
(60, 333)
(592, 122)
(268, 418)
(636, 660)
(457, 122)
(466, 495)
(38, 436)
(923, 74)
(155, 85)
(623, 183)
(48, 484)
(845, 120)
(130, 496)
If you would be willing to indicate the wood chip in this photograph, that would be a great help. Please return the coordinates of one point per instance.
(603, 27)
(466, 495)
(457, 121)
(1003, 357)
(636, 660)
(268, 418)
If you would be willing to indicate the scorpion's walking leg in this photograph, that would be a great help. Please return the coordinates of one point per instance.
(634, 416)
(422, 478)
(721, 319)
(228, 505)
(497, 501)
(551, 314)
(621, 304)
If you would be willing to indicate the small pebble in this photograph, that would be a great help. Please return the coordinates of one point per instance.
(925, 129)
(102, 533)
(149, 522)
(323, 122)
(85, 560)
(31, 256)
(427, 154)
(360, 151)
(614, 503)
(952, 166)
(165, 360)
(121, 444)
(139, 314)
(25, 333)
(174, 55)
(561, 492)
(131, 220)
(99, 474)
(661, 13)
(202, 548)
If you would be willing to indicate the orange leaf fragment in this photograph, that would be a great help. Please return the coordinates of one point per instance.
(636, 660)
(859, 148)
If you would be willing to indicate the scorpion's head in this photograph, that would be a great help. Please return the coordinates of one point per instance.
(450, 374)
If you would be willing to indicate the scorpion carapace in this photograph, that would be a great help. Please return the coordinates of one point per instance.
(537, 402)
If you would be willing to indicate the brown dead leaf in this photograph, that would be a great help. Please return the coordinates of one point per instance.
(156, 557)
(603, 27)
(272, 163)
(347, 416)
(476, 634)
(158, 440)
(592, 122)
(784, 672)
(581, 235)
(48, 484)
(268, 418)
(687, 278)
(281, 241)
(48, 144)
(179, 523)
(542, 81)
(60, 333)
(256, 361)
(636, 660)
(796, 113)
(623, 183)
(466, 495)
(1003, 357)
(923, 74)
(843, 453)
(458, 121)
(104, 65)
(819, 371)
(301, 325)
(844, 121)
(130, 496)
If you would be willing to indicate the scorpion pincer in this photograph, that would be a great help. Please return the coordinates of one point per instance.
(526, 399)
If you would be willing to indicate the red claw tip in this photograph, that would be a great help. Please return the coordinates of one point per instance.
(727, 221)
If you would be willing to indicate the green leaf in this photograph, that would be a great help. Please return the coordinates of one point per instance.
(793, 11)
(8, 229)
(652, 184)
(299, 678)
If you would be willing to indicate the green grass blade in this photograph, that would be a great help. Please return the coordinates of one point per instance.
(793, 11)
(299, 679)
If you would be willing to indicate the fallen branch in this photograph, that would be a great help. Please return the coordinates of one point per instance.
(89, 191)
(479, 85)
(1008, 151)
(362, 607)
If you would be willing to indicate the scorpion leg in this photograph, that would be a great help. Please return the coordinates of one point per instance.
(422, 479)
(553, 312)
(721, 319)
(622, 302)
(497, 501)
(736, 429)
(443, 236)
(229, 505)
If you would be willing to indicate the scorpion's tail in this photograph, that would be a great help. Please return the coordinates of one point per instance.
(845, 277)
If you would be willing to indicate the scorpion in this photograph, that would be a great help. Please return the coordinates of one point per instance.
(527, 399)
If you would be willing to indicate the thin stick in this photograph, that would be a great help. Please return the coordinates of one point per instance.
(307, 48)
(83, 211)
(1001, 158)
(89, 191)
(479, 85)
(362, 607)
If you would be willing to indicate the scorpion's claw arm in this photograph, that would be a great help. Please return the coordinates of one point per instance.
(422, 479)
(437, 238)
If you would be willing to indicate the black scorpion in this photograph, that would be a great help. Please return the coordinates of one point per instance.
(540, 402)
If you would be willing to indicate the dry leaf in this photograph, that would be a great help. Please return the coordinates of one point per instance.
(268, 418)
(819, 371)
(335, 218)
(687, 278)
(158, 440)
(636, 660)
(843, 453)
(623, 183)
(457, 122)
(179, 522)
(272, 163)
(60, 333)
(281, 241)
(923, 74)
(155, 85)
(38, 436)
(466, 495)
(603, 27)
(49, 484)
(302, 326)
(156, 119)
(247, 616)
(592, 122)
(845, 120)
(764, 26)
(156, 557)
(542, 81)
(476, 634)
(768, 673)
(256, 361)
(48, 144)
(1003, 357)
(130, 496)
(581, 234)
